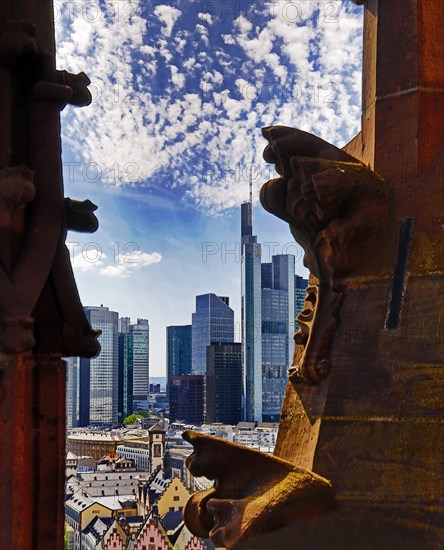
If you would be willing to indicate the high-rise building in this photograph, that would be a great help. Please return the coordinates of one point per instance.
(277, 332)
(133, 366)
(178, 350)
(139, 358)
(300, 286)
(179, 346)
(124, 324)
(72, 391)
(224, 383)
(98, 378)
(212, 323)
(125, 394)
(271, 294)
(251, 316)
(187, 398)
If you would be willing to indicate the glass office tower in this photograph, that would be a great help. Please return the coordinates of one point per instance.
(224, 383)
(300, 286)
(178, 343)
(277, 332)
(212, 323)
(251, 316)
(134, 348)
(140, 362)
(99, 376)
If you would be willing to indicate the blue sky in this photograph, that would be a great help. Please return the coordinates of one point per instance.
(180, 92)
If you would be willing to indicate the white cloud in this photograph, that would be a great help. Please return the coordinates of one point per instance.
(248, 90)
(203, 31)
(207, 17)
(243, 24)
(168, 16)
(148, 50)
(189, 63)
(228, 39)
(177, 78)
(92, 258)
(89, 259)
(272, 81)
(125, 265)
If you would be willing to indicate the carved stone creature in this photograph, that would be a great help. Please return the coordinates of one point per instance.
(253, 492)
(339, 211)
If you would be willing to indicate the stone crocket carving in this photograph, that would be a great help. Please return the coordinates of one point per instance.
(338, 210)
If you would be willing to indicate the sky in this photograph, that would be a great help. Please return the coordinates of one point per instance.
(180, 92)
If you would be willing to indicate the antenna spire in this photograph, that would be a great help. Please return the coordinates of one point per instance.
(251, 185)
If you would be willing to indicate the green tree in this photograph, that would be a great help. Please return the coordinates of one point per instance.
(132, 419)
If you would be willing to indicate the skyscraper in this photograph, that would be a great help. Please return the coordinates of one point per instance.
(212, 323)
(300, 286)
(72, 391)
(277, 332)
(224, 383)
(139, 358)
(99, 376)
(178, 351)
(251, 316)
(187, 398)
(125, 392)
(133, 366)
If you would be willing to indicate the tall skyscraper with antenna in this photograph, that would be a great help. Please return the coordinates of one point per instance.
(251, 314)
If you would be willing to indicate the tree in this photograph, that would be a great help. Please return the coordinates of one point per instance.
(132, 419)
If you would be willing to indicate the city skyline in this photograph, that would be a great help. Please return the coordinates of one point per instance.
(167, 146)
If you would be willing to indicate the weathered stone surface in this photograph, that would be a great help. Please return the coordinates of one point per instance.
(41, 317)
(271, 492)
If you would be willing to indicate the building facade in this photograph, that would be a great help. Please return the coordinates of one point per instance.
(139, 359)
(271, 295)
(179, 345)
(72, 391)
(186, 394)
(224, 383)
(134, 348)
(138, 451)
(300, 286)
(277, 332)
(125, 399)
(212, 323)
(98, 378)
(95, 445)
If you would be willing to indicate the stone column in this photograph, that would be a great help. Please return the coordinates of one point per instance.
(41, 317)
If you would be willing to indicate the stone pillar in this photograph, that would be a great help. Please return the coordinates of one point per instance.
(41, 317)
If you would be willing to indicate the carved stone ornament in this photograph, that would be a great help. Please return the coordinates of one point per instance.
(38, 287)
(339, 212)
(338, 209)
(253, 492)
(317, 324)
